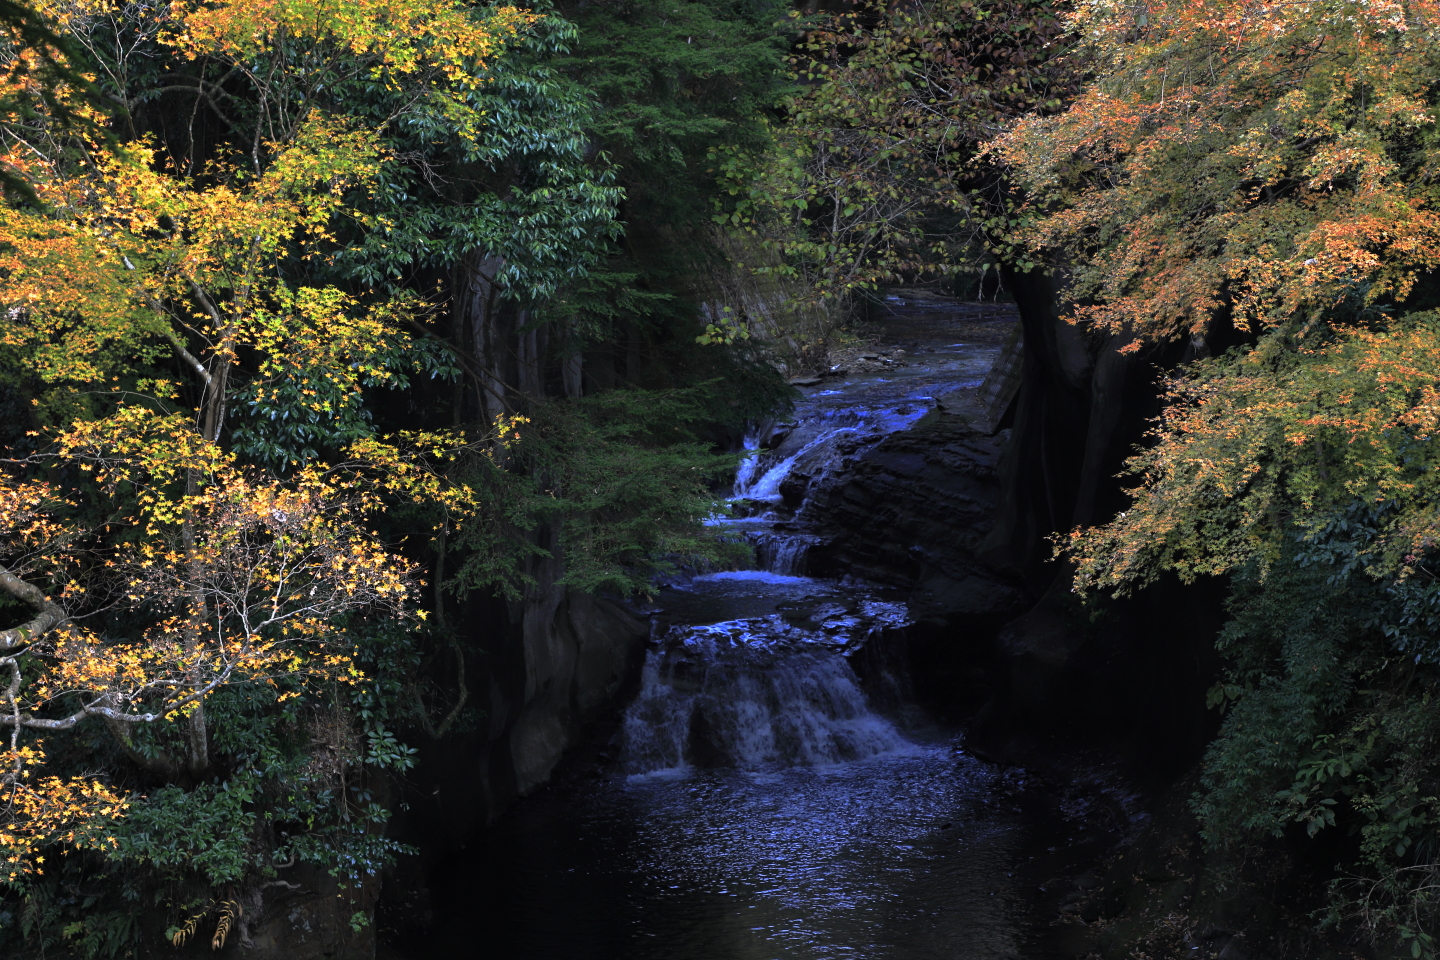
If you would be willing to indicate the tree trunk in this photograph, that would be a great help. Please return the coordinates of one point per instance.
(477, 301)
(531, 337)
(572, 372)
(633, 359)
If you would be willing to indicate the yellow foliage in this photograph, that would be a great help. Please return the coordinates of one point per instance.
(235, 574)
(36, 811)
(403, 36)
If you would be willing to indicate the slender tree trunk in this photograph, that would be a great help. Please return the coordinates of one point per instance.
(197, 739)
(633, 365)
(197, 735)
(478, 304)
(572, 371)
(531, 379)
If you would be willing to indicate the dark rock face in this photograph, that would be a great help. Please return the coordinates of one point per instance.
(1133, 672)
(551, 663)
(311, 922)
(542, 669)
(912, 512)
(536, 671)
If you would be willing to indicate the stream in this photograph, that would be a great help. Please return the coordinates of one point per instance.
(773, 792)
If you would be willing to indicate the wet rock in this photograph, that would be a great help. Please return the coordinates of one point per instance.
(794, 488)
(1038, 647)
(777, 435)
(1234, 949)
(553, 662)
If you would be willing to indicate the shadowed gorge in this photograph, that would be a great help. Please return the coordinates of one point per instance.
(775, 787)
(710, 479)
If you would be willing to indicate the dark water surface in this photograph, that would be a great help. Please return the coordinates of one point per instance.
(902, 855)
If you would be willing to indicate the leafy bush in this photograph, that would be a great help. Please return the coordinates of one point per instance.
(1331, 725)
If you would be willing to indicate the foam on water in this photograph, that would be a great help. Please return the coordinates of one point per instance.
(759, 576)
(768, 486)
(745, 473)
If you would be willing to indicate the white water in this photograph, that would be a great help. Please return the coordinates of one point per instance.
(744, 838)
(782, 553)
(699, 707)
(766, 576)
(755, 481)
(768, 486)
(743, 693)
(745, 474)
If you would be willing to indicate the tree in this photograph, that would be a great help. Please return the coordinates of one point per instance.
(1241, 163)
(877, 175)
(147, 297)
(234, 580)
(1260, 175)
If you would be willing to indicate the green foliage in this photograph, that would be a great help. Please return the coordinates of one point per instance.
(525, 187)
(621, 104)
(1295, 433)
(620, 481)
(298, 788)
(287, 415)
(876, 173)
(673, 81)
(671, 84)
(207, 829)
(1330, 728)
(55, 913)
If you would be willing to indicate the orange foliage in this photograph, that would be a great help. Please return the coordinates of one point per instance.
(1275, 440)
(1262, 158)
(1272, 165)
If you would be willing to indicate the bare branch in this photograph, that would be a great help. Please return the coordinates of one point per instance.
(175, 341)
(50, 616)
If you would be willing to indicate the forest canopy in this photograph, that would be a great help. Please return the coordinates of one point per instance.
(317, 314)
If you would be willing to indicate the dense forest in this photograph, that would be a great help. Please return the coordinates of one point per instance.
(350, 347)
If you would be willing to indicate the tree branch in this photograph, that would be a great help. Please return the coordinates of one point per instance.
(162, 765)
(50, 616)
(175, 341)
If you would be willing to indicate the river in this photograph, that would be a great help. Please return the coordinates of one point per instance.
(773, 792)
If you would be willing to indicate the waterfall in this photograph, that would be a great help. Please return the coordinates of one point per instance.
(767, 486)
(745, 694)
(781, 553)
(755, 483)
(745, 473)
(788, 555)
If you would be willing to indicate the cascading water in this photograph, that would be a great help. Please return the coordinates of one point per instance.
(771, 485)
(767, 485)
(745, 473)
(758, 693)
(783, 553)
